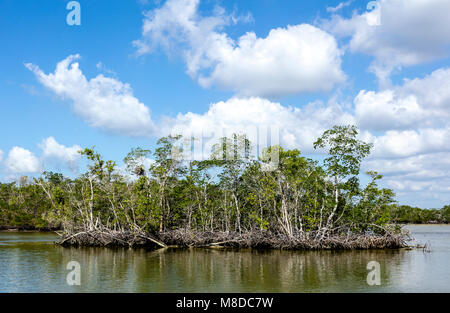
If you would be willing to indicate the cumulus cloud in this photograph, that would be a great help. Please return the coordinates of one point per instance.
(53, 151)
(410, 128)
(1, 155)
(414, 158)
(296, 127)
(21, 160)
(400, 144)
(414, 161)
(408, 124)
(102, 102)
(428, 174)
(54, 154)
(408, 120)
(397, 33)
(430, 166)
(417, 103)
(295, 59)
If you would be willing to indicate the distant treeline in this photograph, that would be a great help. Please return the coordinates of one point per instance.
(404, 214)
(229, 193)
(24, 206)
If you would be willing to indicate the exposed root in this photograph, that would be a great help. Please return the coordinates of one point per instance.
(110, 238)
(267, 240)
(254, 240)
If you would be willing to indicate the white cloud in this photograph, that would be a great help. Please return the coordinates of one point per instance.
(101, 67)
(408, 124)
(52, 150)
(418, 103)
(410, 32)
(400, 144)
(411, 159)
(1, 155)
(21, 160)
(295, 59)
(384, 110)
(410, 120)
(340, 6)
(410, 128)
(428, 174)
(427, 167)
(297, 127)
(102, 102)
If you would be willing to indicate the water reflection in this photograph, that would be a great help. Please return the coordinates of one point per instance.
(31, 263)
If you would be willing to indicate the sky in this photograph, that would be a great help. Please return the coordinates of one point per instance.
(134, 71)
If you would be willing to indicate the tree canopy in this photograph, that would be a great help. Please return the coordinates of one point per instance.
(228, 192)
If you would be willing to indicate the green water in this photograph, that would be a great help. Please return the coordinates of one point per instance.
(30, 262)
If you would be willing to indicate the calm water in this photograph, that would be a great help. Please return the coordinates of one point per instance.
(29, 262)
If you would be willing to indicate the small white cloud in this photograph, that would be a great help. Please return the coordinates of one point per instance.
(52, 150)
(101, 67)
(102, 102)
(295, 59)
(21, 161)
(339, 7)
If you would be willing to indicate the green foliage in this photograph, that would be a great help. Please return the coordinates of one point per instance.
(345, 151)
(406, 214)
(227, 192)
(135, 160)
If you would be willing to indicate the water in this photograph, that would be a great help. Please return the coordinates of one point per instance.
(30, 262)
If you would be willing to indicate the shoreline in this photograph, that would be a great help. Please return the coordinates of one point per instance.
(257, 240)
(22, 229)
(12, 229)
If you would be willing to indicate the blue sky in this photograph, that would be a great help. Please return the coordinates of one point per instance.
(305, 66)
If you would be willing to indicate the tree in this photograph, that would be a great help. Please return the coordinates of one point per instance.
(346, 153)
(445, 214)
(228, 192)
(232, 155)
(135, 161)
(166, 170)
